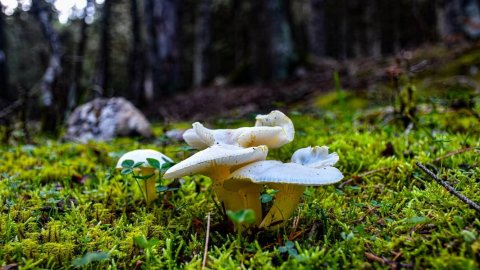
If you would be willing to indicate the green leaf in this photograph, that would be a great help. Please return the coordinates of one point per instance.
(162, 188)
(289, 244)
(128, 163)
(167, 165)
(143, 177)
(468, 236)
(242, 216)
(292, 252)
(265, 198)
(89, 258)
(126, 171)
(142, 242)
(138, 164)
(154, 163)
(282, 249)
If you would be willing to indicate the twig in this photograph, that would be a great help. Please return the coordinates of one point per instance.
(205, 251)
(455, 152)
(449, 188)
(348, 181)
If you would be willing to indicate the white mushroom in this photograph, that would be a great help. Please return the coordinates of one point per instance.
(141, 156)
(273, 130)
(217, 162)
(311, 167)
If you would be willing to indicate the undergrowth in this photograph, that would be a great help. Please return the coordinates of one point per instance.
(63, 205)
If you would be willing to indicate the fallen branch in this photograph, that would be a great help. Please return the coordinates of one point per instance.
(449, 188)
(205, 251)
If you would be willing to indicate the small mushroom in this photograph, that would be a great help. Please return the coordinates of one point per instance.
(273, 130)
(141, 156)
(309, 167)
(217, 162)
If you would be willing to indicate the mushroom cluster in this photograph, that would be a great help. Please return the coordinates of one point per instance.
(235, 161)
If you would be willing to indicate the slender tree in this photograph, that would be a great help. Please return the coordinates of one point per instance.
(50, 119)
(137, 56)
(272, 40)
(164, 38)
(374, 46)
(103, 61)
(317, 28)
(201, 61)
(4, 84)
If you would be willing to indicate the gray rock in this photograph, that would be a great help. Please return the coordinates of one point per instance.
(103, 119)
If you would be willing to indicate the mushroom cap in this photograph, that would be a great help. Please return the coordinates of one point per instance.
(277, 119)
(273, 130)
(273, 171)
(141, 155)
(206, 160)
(314, 157)
(192, 139)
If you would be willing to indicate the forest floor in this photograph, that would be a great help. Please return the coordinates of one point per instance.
(63, 205)
(365, 76)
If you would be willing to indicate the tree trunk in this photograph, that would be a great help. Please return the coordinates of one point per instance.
(317, 28)
(137, 57)
(74, 93)
(374, 46)
(448, 13)
(4, 87)
(343, 21)
(49, 115)
(201, 57)
(164, 35)
(102, 74)
(273, 42)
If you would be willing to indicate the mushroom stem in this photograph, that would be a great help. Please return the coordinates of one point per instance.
(251, 199)
(286, 201)
(245, 198)
(149, 188)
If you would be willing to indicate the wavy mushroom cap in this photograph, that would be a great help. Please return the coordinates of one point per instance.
(192, 139)
(276, 172)
(273, 130)
(277, 119)
(221, 155)
(141, 155)
(314, 157)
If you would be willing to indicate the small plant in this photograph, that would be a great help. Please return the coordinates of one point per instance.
(143, 165)
(288, 248)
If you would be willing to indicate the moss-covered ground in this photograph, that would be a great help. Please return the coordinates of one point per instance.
(62, 205)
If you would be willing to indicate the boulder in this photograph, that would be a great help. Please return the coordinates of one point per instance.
(103, 119)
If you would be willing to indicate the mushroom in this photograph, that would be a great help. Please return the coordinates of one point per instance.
(309, 167)
(273, 130)
(145, 169)
(217, 162)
